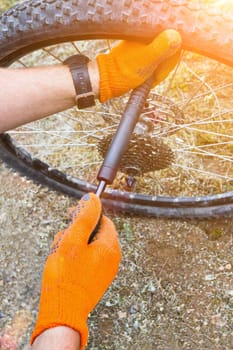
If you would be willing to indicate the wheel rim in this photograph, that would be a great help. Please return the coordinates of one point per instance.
(202, 145)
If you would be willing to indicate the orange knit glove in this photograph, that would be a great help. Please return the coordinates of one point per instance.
(130, 63)
(77, 273)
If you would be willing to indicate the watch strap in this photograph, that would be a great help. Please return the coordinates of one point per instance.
(78, 67)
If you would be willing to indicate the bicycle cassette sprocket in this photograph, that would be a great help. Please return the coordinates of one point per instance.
(144, 154)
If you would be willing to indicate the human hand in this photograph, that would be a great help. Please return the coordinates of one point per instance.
(77, 273)
(130, 63)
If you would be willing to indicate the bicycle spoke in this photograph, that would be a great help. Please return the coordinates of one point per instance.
(198, 170)
(202, 142)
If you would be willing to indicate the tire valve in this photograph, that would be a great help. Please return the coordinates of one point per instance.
(101, 187)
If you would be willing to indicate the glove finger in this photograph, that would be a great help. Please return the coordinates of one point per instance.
(165, 45)
(85, 219)
(166, 67)
(159, 50)
(107, 238)
(150, 55)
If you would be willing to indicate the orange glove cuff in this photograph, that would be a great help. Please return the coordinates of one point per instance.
(64, 309)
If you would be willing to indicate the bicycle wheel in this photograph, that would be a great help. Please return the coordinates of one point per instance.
(186, 127)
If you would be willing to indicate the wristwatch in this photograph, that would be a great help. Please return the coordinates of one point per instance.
(78, 68)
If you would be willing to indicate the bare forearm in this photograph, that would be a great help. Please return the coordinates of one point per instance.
(34, 93)
(57, 338)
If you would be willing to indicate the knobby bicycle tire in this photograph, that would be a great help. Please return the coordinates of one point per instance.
(36, 24)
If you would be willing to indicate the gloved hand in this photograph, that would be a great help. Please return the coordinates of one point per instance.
(130, 63)
(77, 273)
